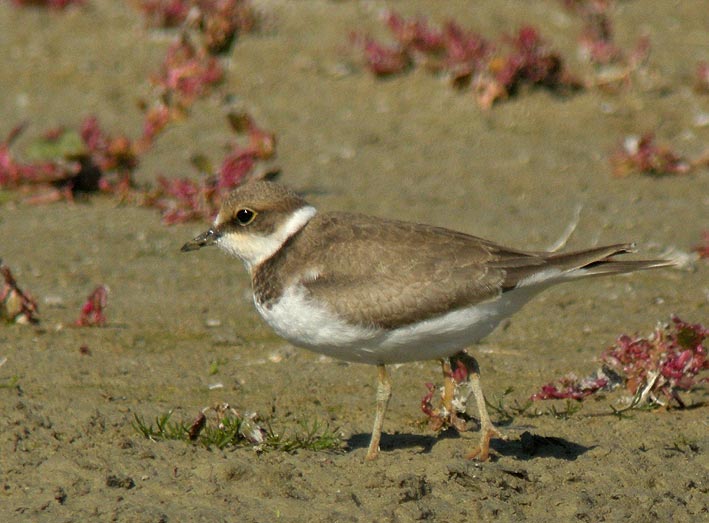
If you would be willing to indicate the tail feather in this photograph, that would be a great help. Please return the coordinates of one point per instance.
(601, 268)
(598, 261)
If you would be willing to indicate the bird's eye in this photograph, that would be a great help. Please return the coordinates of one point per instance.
(245, 216)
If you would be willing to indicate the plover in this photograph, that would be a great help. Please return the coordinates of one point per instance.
(377, 291)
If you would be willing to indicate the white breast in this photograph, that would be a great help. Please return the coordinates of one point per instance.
(296, 318)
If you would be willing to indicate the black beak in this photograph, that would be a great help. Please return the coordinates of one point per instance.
(203, 240)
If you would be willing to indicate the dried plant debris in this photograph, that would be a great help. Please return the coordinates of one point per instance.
(653, 369)
(16, 305)
(642, 155)
(450, 409)
(223, 427)
(218, 21)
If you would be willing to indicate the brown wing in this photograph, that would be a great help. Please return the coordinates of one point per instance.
(390, 273)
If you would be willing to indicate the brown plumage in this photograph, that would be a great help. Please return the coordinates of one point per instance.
(387, 273)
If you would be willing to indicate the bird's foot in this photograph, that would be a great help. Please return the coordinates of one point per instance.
(482, 451)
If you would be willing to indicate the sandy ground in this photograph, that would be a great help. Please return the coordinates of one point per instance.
(408, 147)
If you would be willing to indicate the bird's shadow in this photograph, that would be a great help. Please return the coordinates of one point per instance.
(400, 441)
(525, 447)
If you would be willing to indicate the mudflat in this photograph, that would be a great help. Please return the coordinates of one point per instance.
(407, 147)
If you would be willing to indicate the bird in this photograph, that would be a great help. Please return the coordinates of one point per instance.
(378, 291)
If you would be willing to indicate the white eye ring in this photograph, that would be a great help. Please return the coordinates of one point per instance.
(245, 216)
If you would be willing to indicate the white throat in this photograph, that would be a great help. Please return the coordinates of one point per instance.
(253, 249)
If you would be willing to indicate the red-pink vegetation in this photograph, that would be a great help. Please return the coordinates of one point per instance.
(187, 73)
(92, 312)
(571, 387)
(101, 162)
(189, 70)
(16, 305)
(531, 62)
(492, 70)
(702, 248)
(106, 164)
(597, 43)
(15, 174)
(643, 155)
(157, 116)
(701, 82)
(165, 13)
(114, 157)
(664, 363)
(185, 199)
(653, 369)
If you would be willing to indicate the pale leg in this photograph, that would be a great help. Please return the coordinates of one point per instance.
(383, 395)
(487, 429)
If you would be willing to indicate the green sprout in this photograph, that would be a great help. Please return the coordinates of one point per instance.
(235, 430)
